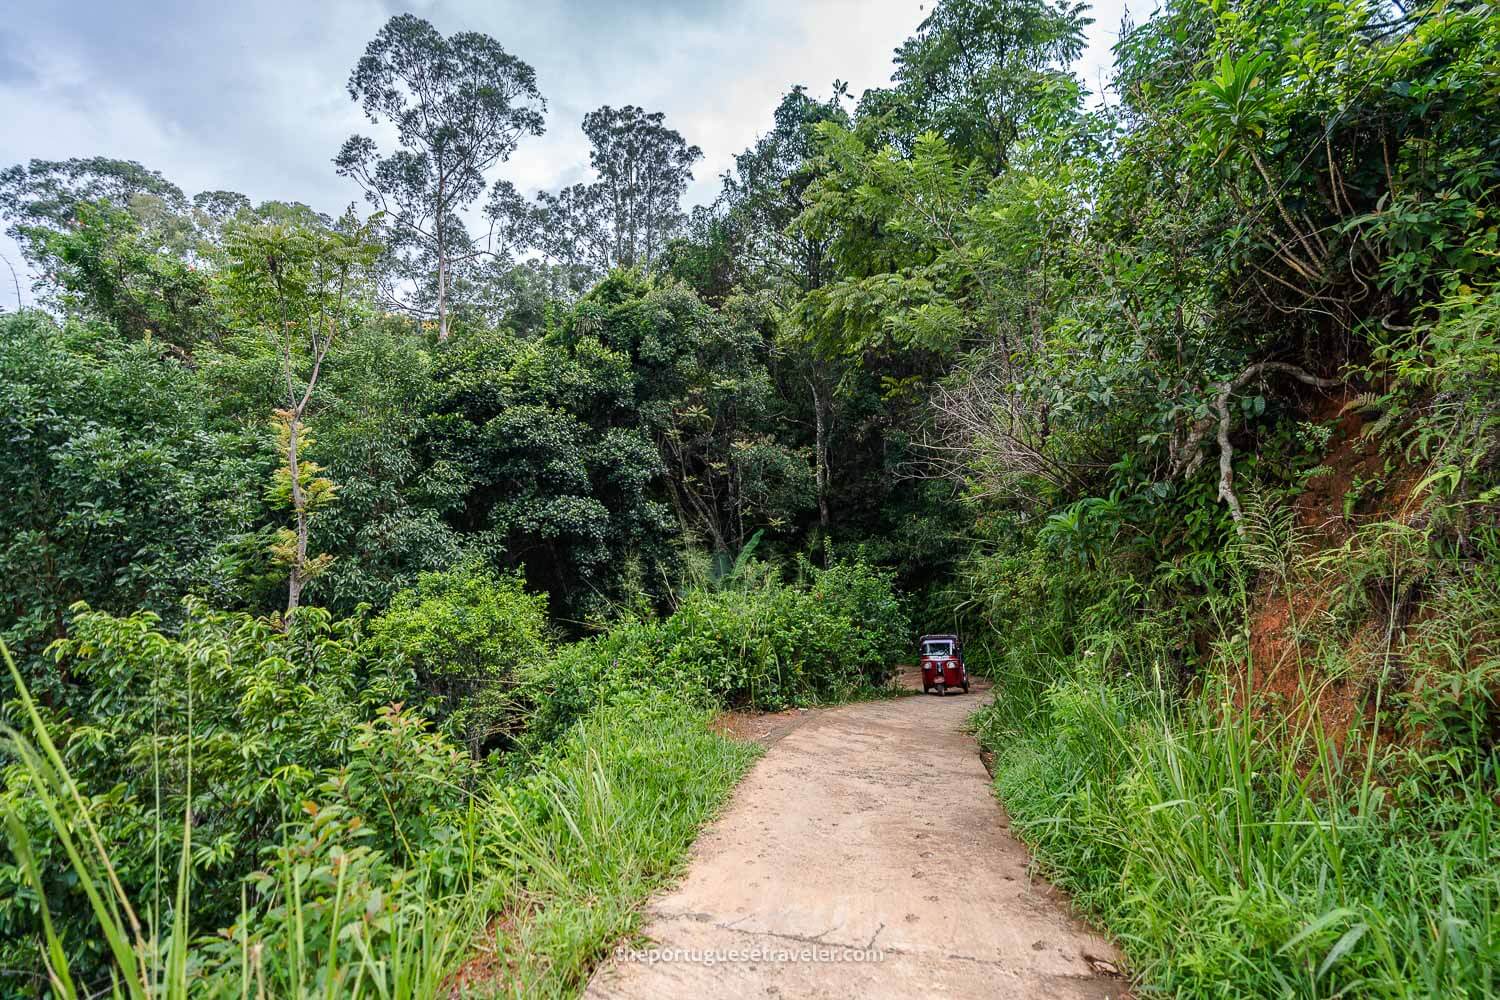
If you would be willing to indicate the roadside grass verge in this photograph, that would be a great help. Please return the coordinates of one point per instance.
(1234, 855)
(604, 820)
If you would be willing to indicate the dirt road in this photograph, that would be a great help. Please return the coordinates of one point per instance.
(864, 856)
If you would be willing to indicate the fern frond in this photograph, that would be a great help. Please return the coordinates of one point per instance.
(1317, 472)
(1271, 540)
(1381, 426)
(1364, 402)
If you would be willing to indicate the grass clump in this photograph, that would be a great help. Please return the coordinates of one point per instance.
(599, 822)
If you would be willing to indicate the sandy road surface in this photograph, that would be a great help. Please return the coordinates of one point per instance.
(871, 828)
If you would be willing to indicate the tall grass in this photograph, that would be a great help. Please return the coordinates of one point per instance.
(1242, 853)
(603, 821)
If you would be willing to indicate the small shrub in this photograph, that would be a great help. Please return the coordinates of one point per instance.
(466, 634)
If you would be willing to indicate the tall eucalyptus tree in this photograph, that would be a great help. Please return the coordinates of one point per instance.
(644, 168)
(458, 105)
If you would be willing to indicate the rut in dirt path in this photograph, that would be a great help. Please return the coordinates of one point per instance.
(869, 827)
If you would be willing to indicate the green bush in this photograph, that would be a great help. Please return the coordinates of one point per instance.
(879, 628)
(466, 634)
(112, 488)
(767, 648)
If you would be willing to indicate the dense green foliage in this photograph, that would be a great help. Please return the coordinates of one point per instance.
(342, 751)
(1180, 402)
(572, 840)
(466, 636)
(767, 646)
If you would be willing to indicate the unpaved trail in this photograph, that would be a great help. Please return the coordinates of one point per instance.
(870, 826)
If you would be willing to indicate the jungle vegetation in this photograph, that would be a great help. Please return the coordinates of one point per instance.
(367, 581)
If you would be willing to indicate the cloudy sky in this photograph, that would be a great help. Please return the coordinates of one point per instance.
(250, 96)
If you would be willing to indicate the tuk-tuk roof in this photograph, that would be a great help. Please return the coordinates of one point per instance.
(942, 636)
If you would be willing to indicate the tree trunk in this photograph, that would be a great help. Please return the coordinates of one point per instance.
(1226, 448)
(299, 507)
(442, 262)
(442, 298)
(820, 454)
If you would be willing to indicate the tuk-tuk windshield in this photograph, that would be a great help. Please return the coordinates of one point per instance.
(937, 647)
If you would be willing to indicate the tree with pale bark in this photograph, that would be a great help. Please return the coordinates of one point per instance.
(626, 217)
(458, 105)
(300, 286)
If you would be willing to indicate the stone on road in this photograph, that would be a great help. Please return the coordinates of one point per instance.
(864, 856)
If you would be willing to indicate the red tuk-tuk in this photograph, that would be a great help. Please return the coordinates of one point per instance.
(942, 658)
